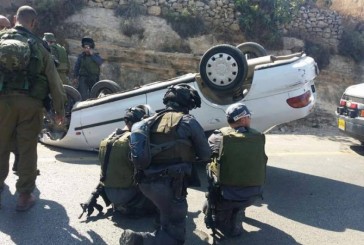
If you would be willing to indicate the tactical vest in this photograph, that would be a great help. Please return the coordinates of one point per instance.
(119, 170)
(30, 79)
(242, 159)
(164, 131)
(88, 66)
(61, 55)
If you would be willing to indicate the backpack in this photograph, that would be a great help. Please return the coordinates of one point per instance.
(116, 169)
(15, 52)
(140, 150)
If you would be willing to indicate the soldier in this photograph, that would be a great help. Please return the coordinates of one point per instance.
(164, 182)
(60, 56)
(117, 183)
(87, 68)
(237, 172)
(24, 84)
(4, 22)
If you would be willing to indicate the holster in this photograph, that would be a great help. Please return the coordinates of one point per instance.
(178, 185)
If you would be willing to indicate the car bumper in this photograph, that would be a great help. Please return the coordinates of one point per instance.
(354, 127)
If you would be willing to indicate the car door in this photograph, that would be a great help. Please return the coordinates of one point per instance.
(102, 117)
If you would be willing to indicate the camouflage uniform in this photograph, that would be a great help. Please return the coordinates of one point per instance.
(22, 115)
(61, 57)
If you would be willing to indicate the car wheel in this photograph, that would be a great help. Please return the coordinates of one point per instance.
(252, 50)
(223, 67)
(73, 96)
(104, 87)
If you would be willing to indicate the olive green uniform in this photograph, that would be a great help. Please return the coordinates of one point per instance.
(63, 68)
(21, 114)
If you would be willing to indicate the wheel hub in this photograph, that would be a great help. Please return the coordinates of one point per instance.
(221, 69)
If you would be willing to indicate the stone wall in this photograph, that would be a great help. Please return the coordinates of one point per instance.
(320, 25)
(215, 13)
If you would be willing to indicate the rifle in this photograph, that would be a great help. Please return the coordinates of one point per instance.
(91, 204)
(212, 197)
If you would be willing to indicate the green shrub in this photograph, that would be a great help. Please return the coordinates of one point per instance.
(320, 53)
(352, 45)
(185, 24)
(177, 46)
(130, 10)
(260, 20)
(130, 27)
(129, 24)
(52, 12)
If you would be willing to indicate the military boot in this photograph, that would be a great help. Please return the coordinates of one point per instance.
(129, 237)
(25, 202)
(237, 223)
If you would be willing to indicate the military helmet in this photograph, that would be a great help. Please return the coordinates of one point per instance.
(49, 37)
(137, 113)
(88, 41)
(236, 111)
(183, 95)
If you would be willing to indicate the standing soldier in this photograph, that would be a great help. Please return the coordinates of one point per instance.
(87, 68)
(164, 182)
(27, 75)
(236, 174)
(60, 56)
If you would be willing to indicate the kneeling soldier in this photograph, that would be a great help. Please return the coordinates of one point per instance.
(236, 174)
(117, 186)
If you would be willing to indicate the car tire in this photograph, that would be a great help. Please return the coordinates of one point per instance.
(252, 50)
(104, 87)
(223, 68)
(73, 96)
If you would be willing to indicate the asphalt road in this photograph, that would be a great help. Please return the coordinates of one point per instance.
(314, 195)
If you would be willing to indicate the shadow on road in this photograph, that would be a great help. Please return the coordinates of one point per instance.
(51, 227)
(315, 201)
(359, 149)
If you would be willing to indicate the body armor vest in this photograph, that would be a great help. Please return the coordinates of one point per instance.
(164, 131)
(61, 55)
(89, 67)
(242, 159)
(119, 170)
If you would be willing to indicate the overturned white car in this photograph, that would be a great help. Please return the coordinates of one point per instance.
(276, 89)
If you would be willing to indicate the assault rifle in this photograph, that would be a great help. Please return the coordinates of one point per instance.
(212, 197)
(91, 204)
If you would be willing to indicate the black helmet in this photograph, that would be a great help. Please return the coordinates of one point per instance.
(183, 95)
(136, 114)
(88, 41)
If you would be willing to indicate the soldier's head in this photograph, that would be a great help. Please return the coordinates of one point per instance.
(4, 22)
(238, 115)
(87, 43)
(26, 16)
(182, 97)
(136, 114)
(49, 38)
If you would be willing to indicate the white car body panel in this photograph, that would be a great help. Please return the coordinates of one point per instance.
(272, 85)
(355, 90)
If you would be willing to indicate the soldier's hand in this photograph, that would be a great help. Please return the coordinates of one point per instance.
(75, 82)
(59, 120)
